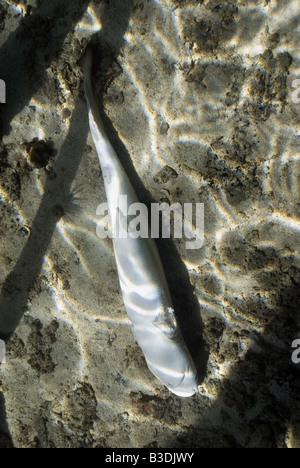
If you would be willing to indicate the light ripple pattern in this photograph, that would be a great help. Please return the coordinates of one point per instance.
(203, 88)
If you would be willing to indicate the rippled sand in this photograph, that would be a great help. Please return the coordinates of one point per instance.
(203, 88)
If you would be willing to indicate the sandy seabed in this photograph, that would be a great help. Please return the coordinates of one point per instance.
(198, 101)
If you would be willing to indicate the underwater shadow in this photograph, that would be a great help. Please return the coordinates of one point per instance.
(57, 193)
(5, 440)
(58, 187)
(258, 403)
(21, 67)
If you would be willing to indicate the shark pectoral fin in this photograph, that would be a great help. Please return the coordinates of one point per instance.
(166, 322)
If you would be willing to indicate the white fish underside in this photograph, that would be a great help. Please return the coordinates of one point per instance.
(142, 279)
